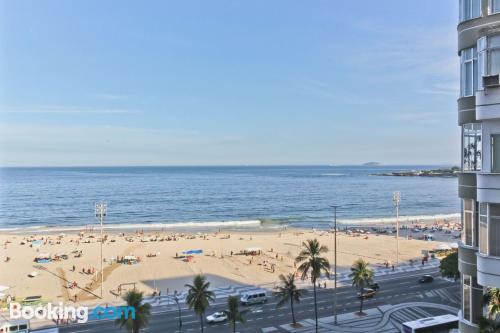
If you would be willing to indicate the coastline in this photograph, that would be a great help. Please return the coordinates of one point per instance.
(254, 225)
(74, 256)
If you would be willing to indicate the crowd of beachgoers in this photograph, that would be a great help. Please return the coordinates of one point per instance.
(66, 266)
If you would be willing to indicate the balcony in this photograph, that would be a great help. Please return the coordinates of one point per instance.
(488, 270)
(488, 103)
(466, 110)
(471, 30)
(488, 187)
(467, 260)
(467, 185)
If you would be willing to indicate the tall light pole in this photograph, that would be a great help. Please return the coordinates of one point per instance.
(335, 263)
(396, 199)
(177, 299)
(100, 214)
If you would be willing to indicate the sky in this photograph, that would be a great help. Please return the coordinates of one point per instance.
(85, 83)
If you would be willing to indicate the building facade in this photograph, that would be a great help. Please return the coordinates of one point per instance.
(479, 180)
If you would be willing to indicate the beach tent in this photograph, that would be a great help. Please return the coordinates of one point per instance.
(188, 252)
(43, 258)
(130, 260)
(36, 243)
(253, 249)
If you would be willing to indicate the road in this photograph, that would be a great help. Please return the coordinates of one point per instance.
(399, 288)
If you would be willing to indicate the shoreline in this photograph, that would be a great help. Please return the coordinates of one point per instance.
(73, 258)
(256, 225)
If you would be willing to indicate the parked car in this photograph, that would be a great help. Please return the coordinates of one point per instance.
(217, 317)
(426, 279)
(374, 286)
(367, 293)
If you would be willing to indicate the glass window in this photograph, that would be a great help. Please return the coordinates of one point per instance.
(494, 230)
(488, 49)
(468, 222)
(495, 153)
(469, 9)
(468, 72)
(471, 134)
(466, 297)
(483, 228)
(494, 6)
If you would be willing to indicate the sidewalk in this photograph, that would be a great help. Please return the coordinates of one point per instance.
(382, 319)
(343, 279)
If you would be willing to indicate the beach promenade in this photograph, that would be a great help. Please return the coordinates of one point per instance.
(400, 294)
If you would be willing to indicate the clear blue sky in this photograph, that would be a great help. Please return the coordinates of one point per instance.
(228, 82)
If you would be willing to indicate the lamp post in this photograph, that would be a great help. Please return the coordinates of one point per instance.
(335, 263)
(100, 214)
(396, 199)
(176, 299)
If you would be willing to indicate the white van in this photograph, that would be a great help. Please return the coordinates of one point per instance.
(253, 297)
(14, 326)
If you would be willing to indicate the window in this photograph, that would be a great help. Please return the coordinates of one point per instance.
(495, 153)
(494, 6)
(470, 9)
(471, 134)
(494, 230)
(483, 228)
(488, 49)
(468, 227)
(468, 72)
(489, 229)
(466, 297)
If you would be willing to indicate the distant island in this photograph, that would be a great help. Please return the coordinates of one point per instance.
(447, 172)
(371, 164)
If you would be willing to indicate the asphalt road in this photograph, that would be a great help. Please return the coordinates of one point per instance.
(395, 289)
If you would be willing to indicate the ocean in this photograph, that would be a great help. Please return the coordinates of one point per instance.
(195, 197)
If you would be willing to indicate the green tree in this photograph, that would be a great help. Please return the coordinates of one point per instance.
(313, 264)
(361, 275)
(488, 325)
(449, 266)
(492, 298)
(233, 312)
(288, 292)
(199, 297)
(134, 323)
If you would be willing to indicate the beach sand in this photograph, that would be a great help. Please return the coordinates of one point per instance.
(168, 273)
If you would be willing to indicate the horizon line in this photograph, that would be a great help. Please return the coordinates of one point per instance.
(225, 165)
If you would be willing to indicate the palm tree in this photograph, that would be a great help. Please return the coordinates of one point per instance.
(140, 318)
(361, 276)
(199, 297)
(488, 325)
(492, 298)
(314, 264)
(233, 311)
(288, 291)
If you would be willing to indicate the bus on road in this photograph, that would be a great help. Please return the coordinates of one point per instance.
(439, 324)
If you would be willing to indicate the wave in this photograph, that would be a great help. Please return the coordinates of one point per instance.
(265, 223)
(333, 174)
(138, 226)
(408, 218)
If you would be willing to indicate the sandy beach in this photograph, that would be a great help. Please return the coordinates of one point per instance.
(74, 268)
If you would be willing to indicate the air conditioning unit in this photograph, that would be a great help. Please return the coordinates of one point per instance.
(491, 80)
